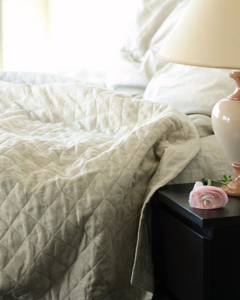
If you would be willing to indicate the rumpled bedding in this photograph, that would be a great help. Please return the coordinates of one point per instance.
(78, 167)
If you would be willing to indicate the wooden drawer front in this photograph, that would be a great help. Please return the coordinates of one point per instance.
(181, 257)
(226, 263)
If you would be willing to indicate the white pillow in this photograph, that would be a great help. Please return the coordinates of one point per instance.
(192, 90)
(137, 62)
(154, 21)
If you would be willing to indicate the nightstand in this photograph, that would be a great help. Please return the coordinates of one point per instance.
(196, 253)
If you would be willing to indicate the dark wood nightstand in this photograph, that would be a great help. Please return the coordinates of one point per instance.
(196, 253)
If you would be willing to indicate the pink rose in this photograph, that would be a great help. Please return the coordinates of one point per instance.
(207, 197)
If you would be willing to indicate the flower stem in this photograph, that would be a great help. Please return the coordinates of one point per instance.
(227, 179)
(207, 180)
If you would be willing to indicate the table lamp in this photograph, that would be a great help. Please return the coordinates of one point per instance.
(208, 35)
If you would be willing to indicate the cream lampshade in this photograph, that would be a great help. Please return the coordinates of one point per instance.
(208, 35)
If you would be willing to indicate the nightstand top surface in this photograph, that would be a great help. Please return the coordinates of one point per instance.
(176, 198)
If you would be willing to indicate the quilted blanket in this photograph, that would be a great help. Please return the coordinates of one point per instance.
(78, 165)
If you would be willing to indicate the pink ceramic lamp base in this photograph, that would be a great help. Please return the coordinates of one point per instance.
(233, 187)
(226, 125)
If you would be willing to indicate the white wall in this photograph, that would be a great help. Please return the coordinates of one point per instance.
(54, 35)
(25, 42)
(1, 50)
(87, 33)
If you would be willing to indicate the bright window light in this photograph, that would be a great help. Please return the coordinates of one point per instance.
(24, 34)
(55, 35)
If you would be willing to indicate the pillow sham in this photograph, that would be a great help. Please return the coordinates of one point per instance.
(155, 19)
(137, 62)
(192, 90)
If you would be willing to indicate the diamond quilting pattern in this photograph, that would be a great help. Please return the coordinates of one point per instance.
(75, 163)
(10, 236)
(3, 228)
(28, 252)
(5, 256)
(39, 236)
(23, 223)
(8, 211)
(35, 207)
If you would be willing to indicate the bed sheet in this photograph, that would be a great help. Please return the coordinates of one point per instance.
(78, 167)
(32, 78)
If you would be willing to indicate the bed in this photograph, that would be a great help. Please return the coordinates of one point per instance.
(80, 162)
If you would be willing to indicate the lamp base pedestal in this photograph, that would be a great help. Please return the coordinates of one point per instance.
(233, 187)
(226, 124)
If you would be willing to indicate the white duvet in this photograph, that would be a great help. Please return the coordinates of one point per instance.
(77, 168)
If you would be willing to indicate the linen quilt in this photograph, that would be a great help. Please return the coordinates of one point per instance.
(78, 165)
